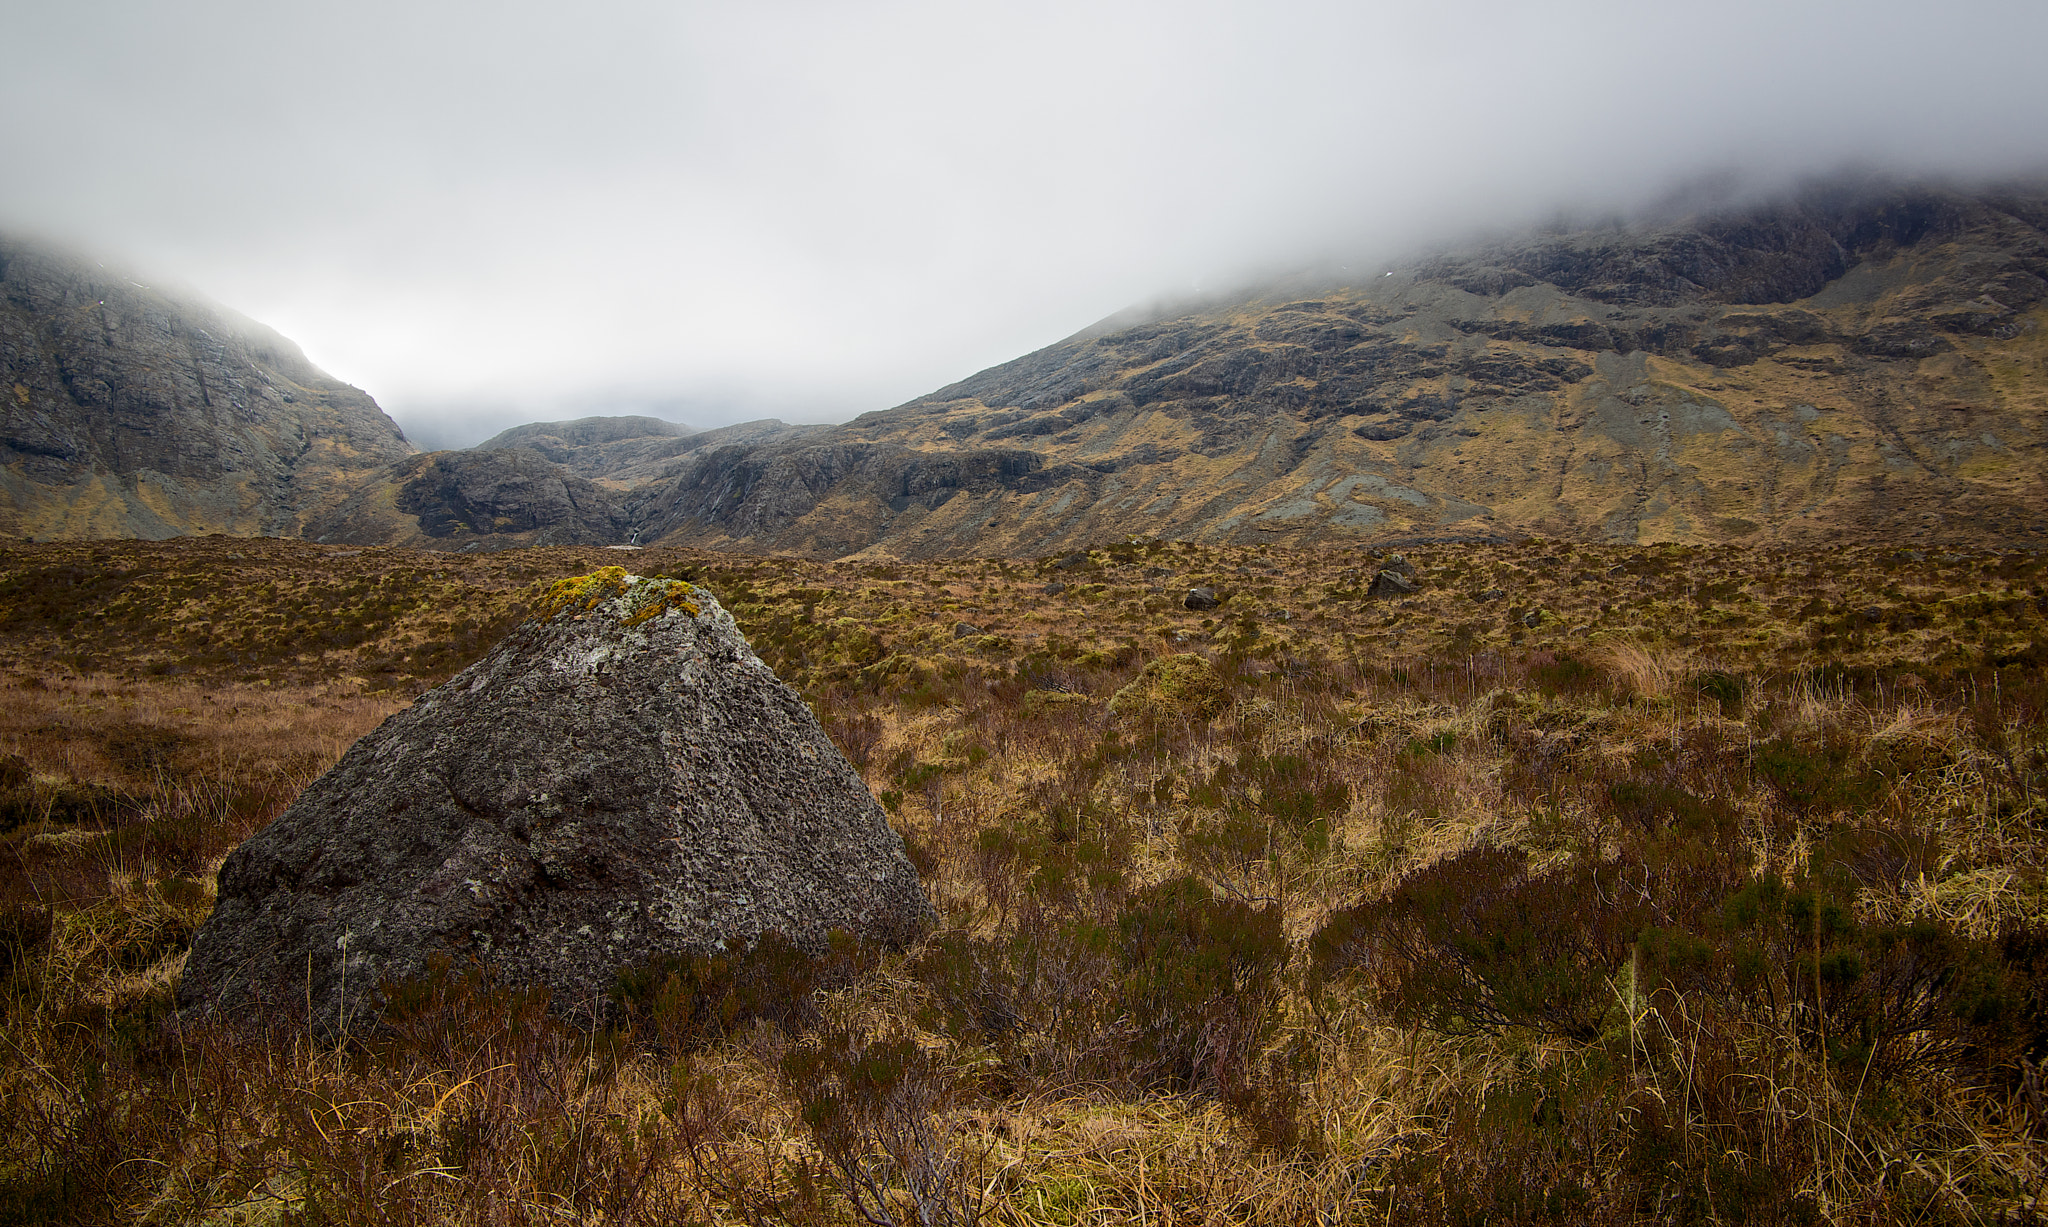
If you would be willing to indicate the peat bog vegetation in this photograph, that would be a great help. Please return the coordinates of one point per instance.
(1581, 885)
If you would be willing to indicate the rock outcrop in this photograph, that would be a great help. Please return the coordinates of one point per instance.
(563, 442)
(497, 499)
(1390, 583)
(547, 483)
(617, 783)
(128, 412)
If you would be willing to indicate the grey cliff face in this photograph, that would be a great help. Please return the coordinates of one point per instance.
(508, 490)
(509, 496)
(615, 784)
(125, 412)
(620, 451)
(623, 452)
(546, 483)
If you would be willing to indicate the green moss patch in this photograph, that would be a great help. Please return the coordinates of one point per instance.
(1184, 685)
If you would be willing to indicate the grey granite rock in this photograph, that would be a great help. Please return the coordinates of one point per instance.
(615, 784)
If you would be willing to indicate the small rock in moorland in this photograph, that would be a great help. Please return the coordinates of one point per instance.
(1389, 584)
(1200, 599)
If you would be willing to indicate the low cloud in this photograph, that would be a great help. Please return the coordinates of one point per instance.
(811, 210)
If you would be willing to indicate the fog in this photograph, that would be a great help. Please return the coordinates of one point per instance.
(490, 213)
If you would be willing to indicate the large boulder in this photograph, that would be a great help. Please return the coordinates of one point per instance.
(620, 781)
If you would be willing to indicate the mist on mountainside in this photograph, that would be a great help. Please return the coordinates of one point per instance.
(820, 212)
(466, 423)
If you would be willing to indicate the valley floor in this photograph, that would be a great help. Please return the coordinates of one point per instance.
(1581, 885)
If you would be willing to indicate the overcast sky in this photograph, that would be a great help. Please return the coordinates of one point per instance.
(490, 212)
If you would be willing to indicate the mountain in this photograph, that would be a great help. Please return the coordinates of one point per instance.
(1862, 359)
(1859, 359)
(614, 450)
(544, 483)
(626, 451)
(128, 412)
(501, 498)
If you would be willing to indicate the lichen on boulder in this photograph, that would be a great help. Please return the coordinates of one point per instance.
(620, 781)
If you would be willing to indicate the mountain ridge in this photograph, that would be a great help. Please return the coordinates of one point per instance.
(624, 451)
(129, 412)
(1859, 359)
(1862, 358)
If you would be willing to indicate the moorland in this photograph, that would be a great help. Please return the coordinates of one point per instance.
(1583, 884)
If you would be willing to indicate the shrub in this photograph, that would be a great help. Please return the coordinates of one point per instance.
(1044, 702)
(447, 1013)
(684, 1002)
(24, 931)
(1562, 674)
(1815, 778)
(1888, 999)
(856, 735)
(1039, 1002)
(1200, 983)
(1181, 993)
(876, 1106)
(1477, 942)
(1300, 791)
(1724, 688)
(1185, 686)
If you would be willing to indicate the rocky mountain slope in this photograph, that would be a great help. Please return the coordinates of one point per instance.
(545, 483)
(503, 497)
(600, 448)
(1861, 359)
(126, 412)
(622, 452)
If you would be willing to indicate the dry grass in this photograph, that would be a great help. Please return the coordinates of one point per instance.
(1645, 672)
(1367, 745)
